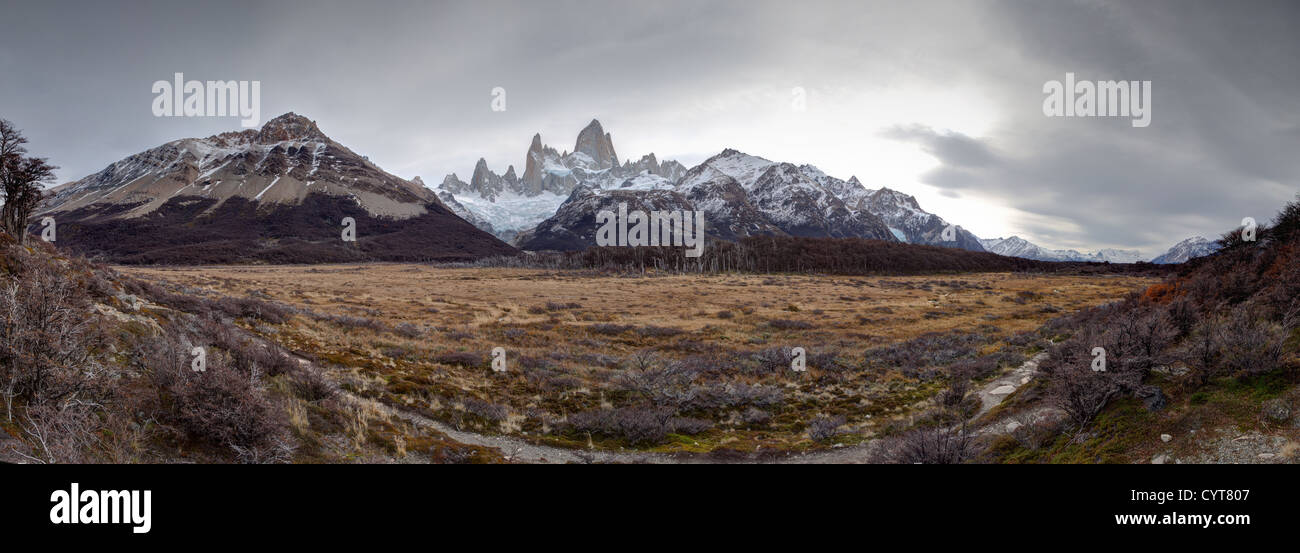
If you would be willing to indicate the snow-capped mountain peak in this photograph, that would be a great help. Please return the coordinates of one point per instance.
(914, 225)
(510, 204)
(1191, 248)
(1016, 246)
(742, 167)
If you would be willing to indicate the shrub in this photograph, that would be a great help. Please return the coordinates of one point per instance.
(670, 385)
(729, 395)
(608, 329)
(1033, 433)
(253, 308)
(755, 417)
(651, 331)
(1203, 351)
(956, 391)
(47, 336)
(824, 428)
(1075, 388)
(930, 446)
(223, 408)
(930, 349)
(461, 358)
(486, 409)
(975, 369)
(772, 360)
(635, 425)
(689, 426)
(408, 330)
(312, 386)
(1251, 346)
(787, 324)
(62, 431)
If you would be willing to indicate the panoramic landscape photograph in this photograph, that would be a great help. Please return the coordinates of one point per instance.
(617, 233)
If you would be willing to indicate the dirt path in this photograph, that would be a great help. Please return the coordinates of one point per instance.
(522, 451)
(994, 392)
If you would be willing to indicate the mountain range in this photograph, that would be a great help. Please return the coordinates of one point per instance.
(553, 205)
(1016, 246)
(281, 193)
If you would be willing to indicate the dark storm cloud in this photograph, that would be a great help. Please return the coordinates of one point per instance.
(953, 148)
(1221, 145)
(408, 83)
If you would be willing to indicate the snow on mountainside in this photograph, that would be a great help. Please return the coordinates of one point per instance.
(1191, 248)
(913, 225)
(510, 204)
(1016, 246)
(455, 207)
(740, 195)
(512, 212)
(286, 160)
(1120, 256)
(573, 227)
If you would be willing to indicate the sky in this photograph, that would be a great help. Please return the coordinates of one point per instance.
(942, 100)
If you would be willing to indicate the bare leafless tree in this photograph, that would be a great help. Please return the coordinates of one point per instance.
(21, 178)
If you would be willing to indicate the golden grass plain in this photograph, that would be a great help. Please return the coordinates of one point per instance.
(579, 333)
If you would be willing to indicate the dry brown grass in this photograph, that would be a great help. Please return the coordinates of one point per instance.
(429, 350)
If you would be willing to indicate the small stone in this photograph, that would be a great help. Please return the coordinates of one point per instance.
(1003, 390)
(1013, 426)
(1267, 455)
(1165, 438)
(1160, 459)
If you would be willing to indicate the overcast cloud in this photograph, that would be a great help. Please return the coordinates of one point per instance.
(938, 99)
